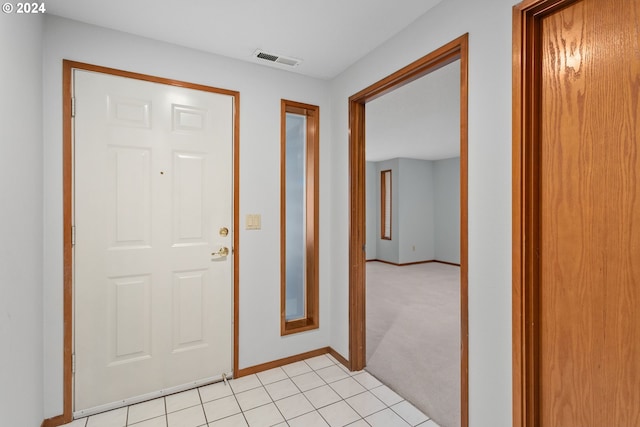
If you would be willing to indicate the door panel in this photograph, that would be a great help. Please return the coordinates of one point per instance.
(187, 203)
(130, 331)
(590, 215)
(152, 187)
(130, 186)
(188, 294)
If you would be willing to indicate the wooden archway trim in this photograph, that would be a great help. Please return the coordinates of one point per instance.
(452, 51)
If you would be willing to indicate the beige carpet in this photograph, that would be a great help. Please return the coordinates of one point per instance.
(413, 335)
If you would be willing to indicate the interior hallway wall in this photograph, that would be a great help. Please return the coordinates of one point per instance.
(373, 210)
(416, 211)
(446, 175)
(261, 89)
(388, 249)
(426, 205)
(489, 24)
(21, 327)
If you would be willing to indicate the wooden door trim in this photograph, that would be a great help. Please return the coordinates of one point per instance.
(525, 210)
(67, 173)
(452, 51)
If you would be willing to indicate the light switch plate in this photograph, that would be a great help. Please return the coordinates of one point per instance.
(253, 222)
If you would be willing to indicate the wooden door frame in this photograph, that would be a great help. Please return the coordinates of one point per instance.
(527, 17)
(452, 51)
(67, 168)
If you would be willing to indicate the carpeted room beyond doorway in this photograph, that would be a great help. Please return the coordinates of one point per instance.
(413, 334)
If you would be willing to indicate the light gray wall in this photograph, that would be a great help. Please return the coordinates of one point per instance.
(489, 24)
(261, 90)
(389, 250)
(427, 208)
(21, 329)
(415, 236)
(373, 209)
(446, 174)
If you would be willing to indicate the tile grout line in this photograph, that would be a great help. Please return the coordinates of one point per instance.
(166, 414)
(303, 395)
(233, 393)
(272, 401)
(206, 419)
(342, 398)
(386, 406)
(403, 418)
(327, 384)
(290, 378)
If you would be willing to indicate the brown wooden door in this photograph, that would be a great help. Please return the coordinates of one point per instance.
(584, 164)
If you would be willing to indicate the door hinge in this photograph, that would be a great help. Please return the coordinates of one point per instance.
(73, 363)
(73, 235)
(73, 106)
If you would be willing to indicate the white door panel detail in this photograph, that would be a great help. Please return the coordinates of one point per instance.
(130, 194)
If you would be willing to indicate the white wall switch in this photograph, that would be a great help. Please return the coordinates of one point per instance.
(253, 222)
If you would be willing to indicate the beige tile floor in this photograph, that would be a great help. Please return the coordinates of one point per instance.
(312, 393)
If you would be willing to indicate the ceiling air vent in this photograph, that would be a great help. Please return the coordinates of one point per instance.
(278, 59)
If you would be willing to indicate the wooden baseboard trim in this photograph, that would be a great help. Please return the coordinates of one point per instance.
(291, 359)
(339, 358)
(413, 263)
(447, 263)
(54, 421)
(401, 265)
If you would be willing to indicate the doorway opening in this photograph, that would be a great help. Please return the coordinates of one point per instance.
(413, 256)
(457, 50)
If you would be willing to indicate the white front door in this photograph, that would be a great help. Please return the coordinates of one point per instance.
(152, 198)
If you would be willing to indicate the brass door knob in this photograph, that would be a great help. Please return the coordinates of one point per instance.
(223, 251)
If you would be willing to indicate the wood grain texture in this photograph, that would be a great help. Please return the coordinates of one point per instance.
(526, 190)
(357, 236)
(590, 215)
(55, 421)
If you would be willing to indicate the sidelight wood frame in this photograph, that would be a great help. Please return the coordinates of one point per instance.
(452, 51)
(67, 172)
(383, 204)
(312, 197)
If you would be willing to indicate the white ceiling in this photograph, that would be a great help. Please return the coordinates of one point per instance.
(328, 35)
(415, 121)
(420, 120)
